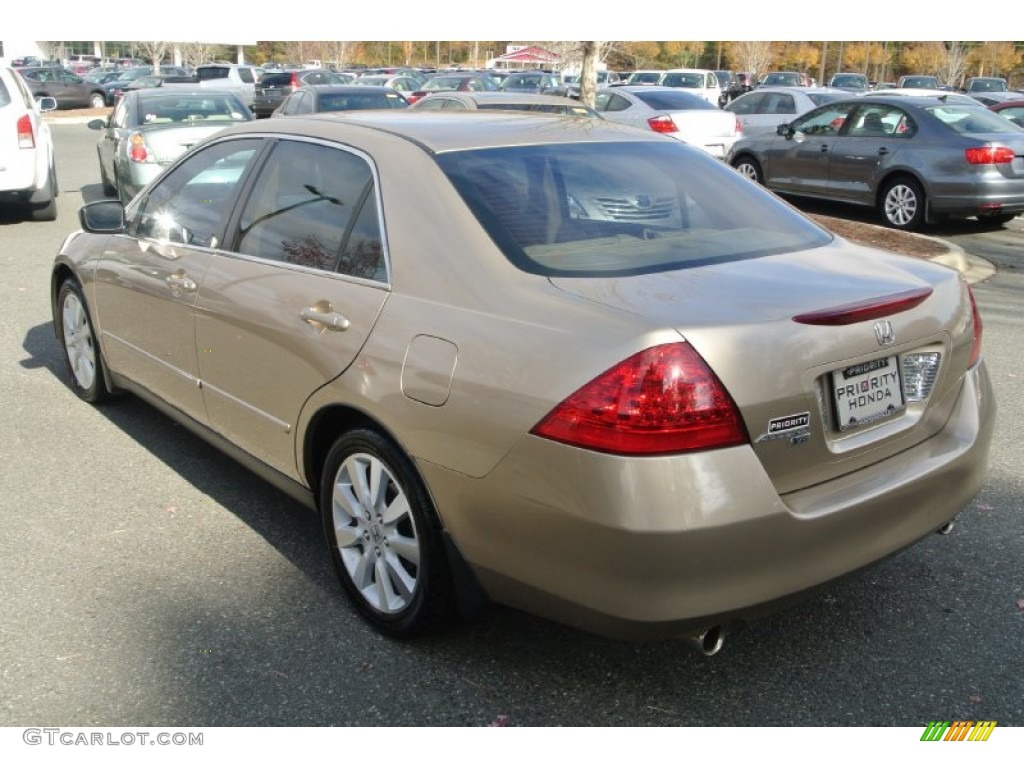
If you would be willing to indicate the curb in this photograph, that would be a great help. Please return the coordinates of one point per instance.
(975, 269)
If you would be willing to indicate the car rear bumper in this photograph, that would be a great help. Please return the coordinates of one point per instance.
(669, 545)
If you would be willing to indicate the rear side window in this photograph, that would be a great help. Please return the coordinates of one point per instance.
(5, 95)
(314, 206)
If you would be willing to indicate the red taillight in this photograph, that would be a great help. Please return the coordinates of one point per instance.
(739, 127)
(977, 329)
(660, 401)
(662, 124)
(26, 136)
(295, 80)
(989, 155)
(870, 309)
(414, 97)
(137, 151)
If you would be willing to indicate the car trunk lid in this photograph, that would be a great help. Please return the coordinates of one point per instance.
(822, 392)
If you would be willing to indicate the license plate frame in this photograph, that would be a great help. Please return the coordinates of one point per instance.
(867, 392)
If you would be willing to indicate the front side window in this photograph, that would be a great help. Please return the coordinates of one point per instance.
(191, 204)
(778, 104)
(824, 121)
(747, 104)
(314, 206)
(590, 209)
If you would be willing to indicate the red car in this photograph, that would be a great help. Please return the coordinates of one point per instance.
(1012, 110)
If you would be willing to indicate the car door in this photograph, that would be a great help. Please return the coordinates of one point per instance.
(148, 279)
(874, 135)
(113, 133)
(289, 308)
(799, 161)
(74, 91)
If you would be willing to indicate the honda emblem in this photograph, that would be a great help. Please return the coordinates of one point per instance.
(884, 333)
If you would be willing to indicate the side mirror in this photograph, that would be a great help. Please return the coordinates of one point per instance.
(46, 103)
(98, 124)
(102, 217)
(784, 130)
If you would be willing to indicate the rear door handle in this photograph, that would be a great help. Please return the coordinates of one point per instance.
(883, 151)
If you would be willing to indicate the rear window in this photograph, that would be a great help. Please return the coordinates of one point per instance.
(601, 209)
(276, 78)
(966, 119)
(212, 73)
(673, 100)
(337, 102)
(155, 109)
(683, 80)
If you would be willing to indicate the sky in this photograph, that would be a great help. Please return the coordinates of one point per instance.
(518, 20)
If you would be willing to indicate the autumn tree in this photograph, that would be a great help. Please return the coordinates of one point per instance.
(923, 58)
(637, 55)
(993, 59)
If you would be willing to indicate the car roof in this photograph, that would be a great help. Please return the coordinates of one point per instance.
(450, 130)
(925, 94)
(506, 97)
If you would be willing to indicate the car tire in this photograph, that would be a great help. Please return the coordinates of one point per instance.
(97, 101)
(383, 535)
(46, 211)
(78, 342)
(749, 168)
(902, 204)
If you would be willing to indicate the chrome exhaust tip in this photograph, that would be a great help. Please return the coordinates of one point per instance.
(710, 641)
(944, 530)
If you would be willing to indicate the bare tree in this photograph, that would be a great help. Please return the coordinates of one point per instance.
(954, 66)
(153, 51)
(194, 54)
(750, 56)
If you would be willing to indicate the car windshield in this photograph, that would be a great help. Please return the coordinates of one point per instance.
(683, 80)
(782, 78)
(674, 100)
(600, 209)
(990, 84)
(850, 81)
(920, 82)
(643, 77)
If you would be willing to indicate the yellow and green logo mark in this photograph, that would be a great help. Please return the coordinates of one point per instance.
(958, 730)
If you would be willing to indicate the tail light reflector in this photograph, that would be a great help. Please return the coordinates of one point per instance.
(871, 309)
(26, 136)
(663, 400)
(989, 155)
(662, 124)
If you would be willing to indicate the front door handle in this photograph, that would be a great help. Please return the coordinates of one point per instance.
(883, 151)
(323, 318)
(179, 282)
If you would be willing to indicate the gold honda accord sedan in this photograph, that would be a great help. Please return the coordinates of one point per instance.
(553, 363)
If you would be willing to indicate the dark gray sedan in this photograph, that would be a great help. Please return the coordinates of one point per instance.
(915, 159)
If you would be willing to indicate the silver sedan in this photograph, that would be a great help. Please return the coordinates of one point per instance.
(764, 109)
(673, 112)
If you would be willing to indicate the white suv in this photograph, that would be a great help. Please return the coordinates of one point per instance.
(28, 171)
